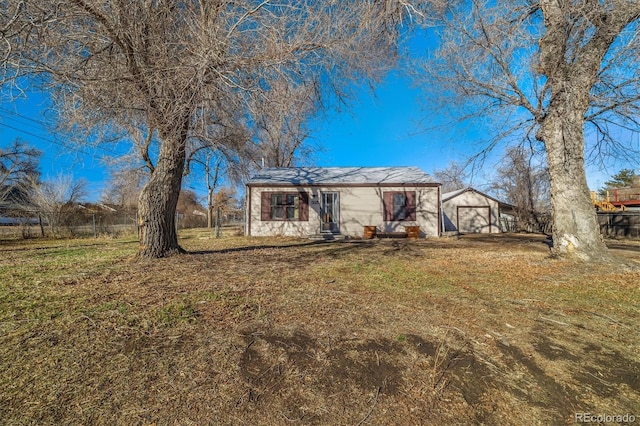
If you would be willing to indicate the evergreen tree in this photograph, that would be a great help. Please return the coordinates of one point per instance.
(622, 179)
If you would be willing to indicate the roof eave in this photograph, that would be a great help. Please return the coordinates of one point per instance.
(341, 185)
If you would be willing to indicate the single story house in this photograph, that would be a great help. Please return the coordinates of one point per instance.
(306, 201)
(468, 210)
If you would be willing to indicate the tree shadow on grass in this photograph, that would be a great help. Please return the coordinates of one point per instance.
(339, 246)
(508, 239)
(28, 247)
(626, 247)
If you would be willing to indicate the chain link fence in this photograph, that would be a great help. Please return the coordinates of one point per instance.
(542, 224)
(34, 224)
(82, 222)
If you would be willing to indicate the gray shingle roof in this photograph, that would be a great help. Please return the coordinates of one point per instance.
(340, 175)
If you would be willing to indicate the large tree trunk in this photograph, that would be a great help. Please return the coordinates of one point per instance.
(575, 227)
(158, 201)
(572, 69)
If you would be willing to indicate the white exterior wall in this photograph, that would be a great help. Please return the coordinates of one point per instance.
(450, 208)
(359, 207)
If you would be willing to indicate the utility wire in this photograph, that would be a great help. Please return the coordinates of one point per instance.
(40, 122)
(52, 141)
(29, 133)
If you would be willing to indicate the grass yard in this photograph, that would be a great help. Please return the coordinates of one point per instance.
(285, 331)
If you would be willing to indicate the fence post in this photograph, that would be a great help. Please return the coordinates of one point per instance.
(95, 231)
(41, 225)
(218, 219)
(137, 225)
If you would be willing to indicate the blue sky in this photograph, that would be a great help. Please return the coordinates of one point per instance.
(391, 128)
(385, 128)
(26, 119)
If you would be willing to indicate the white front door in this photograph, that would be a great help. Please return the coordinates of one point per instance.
(330, 212)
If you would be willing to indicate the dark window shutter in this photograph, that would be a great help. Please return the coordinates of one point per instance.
(304, 206)
(387, 206)
(411, 205)
(265, 206)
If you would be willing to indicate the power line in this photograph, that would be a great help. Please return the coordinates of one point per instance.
(29, 133)
(39, 122)
(52, 141)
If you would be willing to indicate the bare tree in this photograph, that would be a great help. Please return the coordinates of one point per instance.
(18, 167)
(281, 126)
(191, 213)
(56, 200)
(452, 177)
(172, 69)
(222, 156)
(225, 200)
(214, 167)
(549, 69)
(225, 207)
(522, 179)
(124, 187)
(212, 170)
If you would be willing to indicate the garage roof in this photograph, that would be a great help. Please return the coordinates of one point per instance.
(449, 195)
(341, 175)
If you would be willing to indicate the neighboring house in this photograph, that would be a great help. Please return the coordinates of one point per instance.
(306, 201)
(468, 210)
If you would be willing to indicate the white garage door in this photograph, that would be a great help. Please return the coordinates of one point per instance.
(474, 219)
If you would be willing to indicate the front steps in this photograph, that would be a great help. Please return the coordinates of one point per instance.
(328, 237)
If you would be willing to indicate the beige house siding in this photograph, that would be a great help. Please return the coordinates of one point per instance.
(471, 212)
(359, 206)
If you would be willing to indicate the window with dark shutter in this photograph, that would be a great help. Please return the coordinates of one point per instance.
(399, 206)
(304, 206)
(265, 206)
(285, 206)
(410, 207)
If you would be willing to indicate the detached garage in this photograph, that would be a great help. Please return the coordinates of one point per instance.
(469, 211)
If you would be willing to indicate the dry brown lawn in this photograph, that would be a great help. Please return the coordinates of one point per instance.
(284, 331)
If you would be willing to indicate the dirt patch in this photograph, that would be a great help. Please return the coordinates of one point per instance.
(553, 351)
(379, 367)
(365, 365)
(424, 347)
(368, 366)
(607, 372)
(541, 389)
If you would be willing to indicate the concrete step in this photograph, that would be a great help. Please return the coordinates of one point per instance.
(327, 237)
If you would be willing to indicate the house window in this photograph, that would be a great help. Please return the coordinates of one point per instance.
(399, 206)
(284, 206)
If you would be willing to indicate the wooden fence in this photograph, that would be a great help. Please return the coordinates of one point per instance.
(612, 225)
(617, 225)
